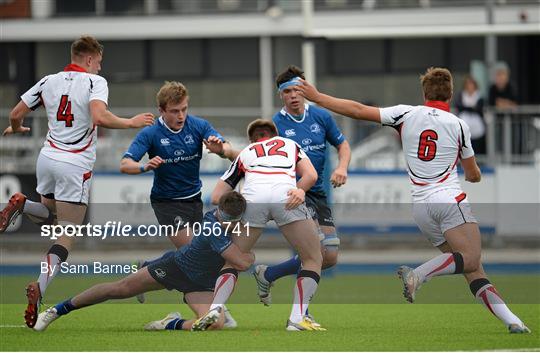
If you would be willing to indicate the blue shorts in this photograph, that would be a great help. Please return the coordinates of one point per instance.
(167, 273)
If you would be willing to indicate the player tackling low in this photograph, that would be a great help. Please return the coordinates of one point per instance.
(75, 100)
(434, 141)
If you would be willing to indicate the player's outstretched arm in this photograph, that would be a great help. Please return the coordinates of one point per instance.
(237, 259)
(104, 118)
(340, 106)
(223, 149)
(219, 190)
(471, 169)
(16, 117)
(129, 166)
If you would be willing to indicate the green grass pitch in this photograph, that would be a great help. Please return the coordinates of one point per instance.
(361, 313)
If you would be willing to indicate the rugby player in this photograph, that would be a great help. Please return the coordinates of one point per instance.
(174, 146)
(311, 127)
(270, 166)
(434, 141)
(191, 270)
(75, 100)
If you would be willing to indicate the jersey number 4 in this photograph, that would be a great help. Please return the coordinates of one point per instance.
(427, 148)
(274, 150)
(64, 111)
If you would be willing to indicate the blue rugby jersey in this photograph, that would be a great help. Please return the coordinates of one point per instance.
(311, 132)
(178, 177)
(201, 260)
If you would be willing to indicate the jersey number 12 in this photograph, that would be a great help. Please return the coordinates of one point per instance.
(275, 146)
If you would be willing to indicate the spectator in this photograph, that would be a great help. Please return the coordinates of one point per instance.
(470, 105)
(501, 93)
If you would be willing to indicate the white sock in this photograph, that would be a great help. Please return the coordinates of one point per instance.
(444, 264)
(52, 261)
(224, 288)
(488, 296)
(36, 209)
(306, 286)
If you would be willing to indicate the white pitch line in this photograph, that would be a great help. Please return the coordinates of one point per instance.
(536, 349)
(11, 326)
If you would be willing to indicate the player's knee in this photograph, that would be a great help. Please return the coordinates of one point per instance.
(330, 259)
(466, 262)
(471, 263)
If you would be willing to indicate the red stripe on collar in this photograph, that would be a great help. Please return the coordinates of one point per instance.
(438, 104)
(74, 67)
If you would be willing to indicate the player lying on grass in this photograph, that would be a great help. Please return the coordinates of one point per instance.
(270, 165)
(192, 270)
(75, 101)
(434, 141)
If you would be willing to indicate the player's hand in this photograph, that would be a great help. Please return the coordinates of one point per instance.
(307, 90)
(154, 163)
(339, 177)
(9, 130)
(296, 198)
(142, 120)
(214, 145)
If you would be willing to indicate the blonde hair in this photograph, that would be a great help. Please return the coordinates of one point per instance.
(437, 84)
(261, 128)
(85, 45)
(171, 92)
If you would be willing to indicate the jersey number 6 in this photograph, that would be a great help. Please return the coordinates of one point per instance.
(427, 148)
(64, 111)
(274, 145)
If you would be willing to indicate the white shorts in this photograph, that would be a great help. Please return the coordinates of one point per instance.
(62, 181)
(258, 214)
(442, 211)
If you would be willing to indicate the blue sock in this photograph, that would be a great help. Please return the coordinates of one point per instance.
(289, 267)
(64, 308)
(176, 324)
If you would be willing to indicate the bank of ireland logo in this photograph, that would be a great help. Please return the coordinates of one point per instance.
(290, 132)
(179, 152)
(165, 142)
(306, 141)
(160, 273)
(189, 139)
(315, 128)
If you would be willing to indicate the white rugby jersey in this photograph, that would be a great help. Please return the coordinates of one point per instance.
(267, 165)
(66, 96)
(433, 141)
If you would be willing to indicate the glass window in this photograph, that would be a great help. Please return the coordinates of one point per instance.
(463, 51)
(356, 56)
(131, 7)
(287, 51)
(51, 57)
(174, 59)
(123, 60)
(79, 7)
(7, 62)
(416, 54)
(234, 57)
